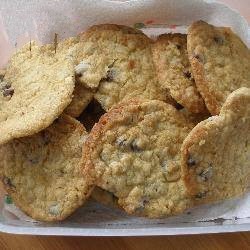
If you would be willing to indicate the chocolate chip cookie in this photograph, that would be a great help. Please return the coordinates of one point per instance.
(135, 151)
(174, 71)
(37, 87)
(118, 64)
(43, 173)
(220, 63)
(216, 153)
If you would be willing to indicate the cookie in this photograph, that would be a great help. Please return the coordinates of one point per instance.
(215, 155)
(118, 64)
(96, 49)
(37, 87)
(135, 151)
(220, 63)
(174, 71)
(104, 197)
(43, 173)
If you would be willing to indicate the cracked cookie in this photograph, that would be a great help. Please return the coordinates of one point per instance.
(117, 62)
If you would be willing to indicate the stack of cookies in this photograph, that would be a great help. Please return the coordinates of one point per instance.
(150, 127)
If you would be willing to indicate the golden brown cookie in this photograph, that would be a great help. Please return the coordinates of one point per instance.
(43, 173)
(118, 64)
(37, 87)
(135, 150)
(220, 63)
(215, 155)
(174, 71)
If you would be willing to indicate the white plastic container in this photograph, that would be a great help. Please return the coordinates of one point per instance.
(96, 220)
(23, 20)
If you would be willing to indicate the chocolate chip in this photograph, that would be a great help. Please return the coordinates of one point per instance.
(110, 73)
(62, 171)
(112, 64)
(7, 182)
(200, 58)
(109, 76)
(206, 174)
(187, 74)
(200, 195)
(4, 85)
(7, 86)
(145, 201)
(219, 40)
(8, 92)
(190, 161)
(121, 142)
(134, 147)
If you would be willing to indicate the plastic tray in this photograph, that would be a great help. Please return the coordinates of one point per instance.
(96, 220)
